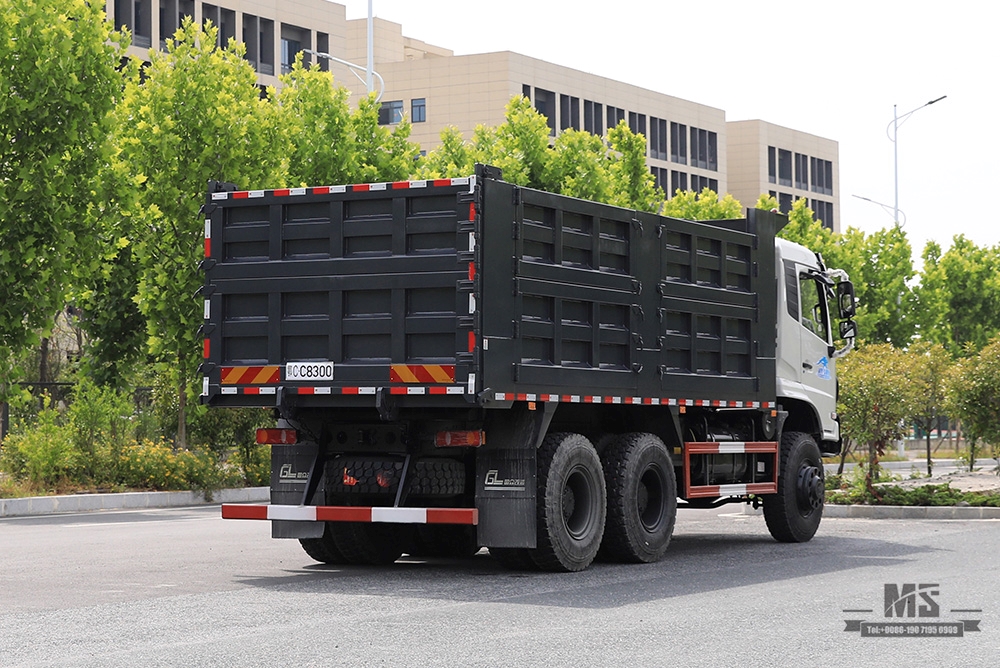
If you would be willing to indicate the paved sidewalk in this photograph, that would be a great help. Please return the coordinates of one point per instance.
(903, 512)
(79, 503)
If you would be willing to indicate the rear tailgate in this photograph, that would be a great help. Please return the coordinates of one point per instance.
(335, 294)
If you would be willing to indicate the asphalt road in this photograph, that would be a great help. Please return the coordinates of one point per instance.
(182, 587)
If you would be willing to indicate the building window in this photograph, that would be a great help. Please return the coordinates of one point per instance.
(545, 104)
(390, 113)
(323, 46)
(418, 110)
(569, 112)
(661, 175)
(772, 166)
(172, 13)
(801, 171)
(223, 19)
(637, 123)
(678, 144)
(678, 181)
(615, 116)
(293, 40)
(526, 91)
(704, 149)
(784, 202)
(784, 168)
(822, 176)
(593, 117)
(657, 138)
(137, 16)
(699, 183)
(823, 212)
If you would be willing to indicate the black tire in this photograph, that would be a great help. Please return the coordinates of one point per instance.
(642, 499)
(514, 558)
(366, 544)
(323, 550)
(794, 513)
(571, 503)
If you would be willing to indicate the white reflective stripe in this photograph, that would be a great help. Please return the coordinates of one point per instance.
(366, 390)
(268, 390)
(296, 513)
(220, 196)
(455, 389)
(376, 186)
(472, 242)
(732, 448)
(472, 303)
(472, 184)
(229, 390)
(338, 189)
(204, 386)
(416, 390)
(321, 390)
(254, 194)
(418, 184)
(297, 191)
(208, 228)
(732, 489)
(208, 309)
(400, 515)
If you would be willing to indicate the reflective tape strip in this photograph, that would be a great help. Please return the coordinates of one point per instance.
(233, 511)
(731, 447)
(250, 375)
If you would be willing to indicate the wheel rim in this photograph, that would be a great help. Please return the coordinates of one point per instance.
(809, 492)
(649, 498)
(578, 503)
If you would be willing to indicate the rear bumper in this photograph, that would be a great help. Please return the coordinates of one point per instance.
(467, 516)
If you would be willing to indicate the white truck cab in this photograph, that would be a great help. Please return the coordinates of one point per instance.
(807, 357)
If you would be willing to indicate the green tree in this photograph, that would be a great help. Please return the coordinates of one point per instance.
(973, 396)
(933, 297)
(632, 184)
(58, 85)
(967, 278)
(578, 166)
(195, 114)
(887, 303)
(705, 205)
(875, 400)
(930, 365)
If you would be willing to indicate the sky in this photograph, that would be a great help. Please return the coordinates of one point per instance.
(833, 69)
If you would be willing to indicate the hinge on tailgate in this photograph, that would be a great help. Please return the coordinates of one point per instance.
(516, 196)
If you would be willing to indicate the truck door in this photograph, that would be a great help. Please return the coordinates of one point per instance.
(817, 368)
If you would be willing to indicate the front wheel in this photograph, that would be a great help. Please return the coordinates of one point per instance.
(793, 514)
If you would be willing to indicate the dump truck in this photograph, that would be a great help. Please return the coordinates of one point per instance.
(462, 363)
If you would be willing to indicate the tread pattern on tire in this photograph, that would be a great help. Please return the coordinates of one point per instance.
(625, 539)
(549, 555)
(783, 520)
(366, 544)
(324, 549)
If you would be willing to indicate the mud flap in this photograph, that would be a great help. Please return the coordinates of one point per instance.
(505, 477)
(295, 469)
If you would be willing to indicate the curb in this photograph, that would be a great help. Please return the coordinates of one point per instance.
(82, 503)
(903, 512)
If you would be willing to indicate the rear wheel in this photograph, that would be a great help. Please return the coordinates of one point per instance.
(571, 503)
(642, 499)
(794, 513)
(323, 550)
(368, 544)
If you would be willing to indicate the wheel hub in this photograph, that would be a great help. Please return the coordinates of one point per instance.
(809, 492)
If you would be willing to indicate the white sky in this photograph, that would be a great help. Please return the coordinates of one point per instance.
(832, 68)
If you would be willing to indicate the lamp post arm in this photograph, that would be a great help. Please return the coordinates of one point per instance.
(355, 70)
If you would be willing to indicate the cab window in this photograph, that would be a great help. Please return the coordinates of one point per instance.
(812, 307)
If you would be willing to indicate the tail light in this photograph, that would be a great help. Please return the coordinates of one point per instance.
(460, 439)
(277, 436)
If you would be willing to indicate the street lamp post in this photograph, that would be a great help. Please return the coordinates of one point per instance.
(896, 122)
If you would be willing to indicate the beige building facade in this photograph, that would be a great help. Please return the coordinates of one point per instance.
(690, 146)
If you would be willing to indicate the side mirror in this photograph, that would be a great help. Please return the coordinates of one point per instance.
(845, 299)
(848, 329)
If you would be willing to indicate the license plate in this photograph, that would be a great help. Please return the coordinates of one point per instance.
(307, 371)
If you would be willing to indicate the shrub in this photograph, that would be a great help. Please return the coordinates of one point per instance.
(44, 455)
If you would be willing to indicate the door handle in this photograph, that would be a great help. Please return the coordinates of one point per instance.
(807, 366)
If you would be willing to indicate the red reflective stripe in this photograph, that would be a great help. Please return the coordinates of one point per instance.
(453, 516)
(208, 248)
(322, 190)
(438, 390)
(361, 188)
(343, 514)
(397, 390)
(243, 194)
(205, 350)
(350, 390)
(282, 192)
(251, 390)
(442, 182)
(472, 271)
(243, 512)
(307, 390)
(472, 210)
(400, 185)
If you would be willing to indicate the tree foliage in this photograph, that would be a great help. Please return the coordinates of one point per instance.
(973, 396)
(875, 399)
(195, 114)
(58, 85)
(930, 367)
(706, 205)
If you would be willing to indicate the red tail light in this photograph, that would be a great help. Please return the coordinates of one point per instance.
(460, 439)
(277, 436)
